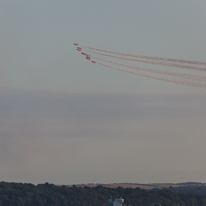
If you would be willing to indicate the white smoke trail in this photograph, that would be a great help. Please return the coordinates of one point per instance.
(187, 83)
(149, 57)
(175, 74)
(152, 62)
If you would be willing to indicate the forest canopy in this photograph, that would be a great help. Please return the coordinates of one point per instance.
(20, 194)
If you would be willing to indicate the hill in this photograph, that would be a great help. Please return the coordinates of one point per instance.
(143, 186)
(18, 194)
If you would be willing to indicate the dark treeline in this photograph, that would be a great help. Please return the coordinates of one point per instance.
(195, 190)
(18, 194)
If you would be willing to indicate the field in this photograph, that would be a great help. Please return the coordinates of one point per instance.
(142, 186)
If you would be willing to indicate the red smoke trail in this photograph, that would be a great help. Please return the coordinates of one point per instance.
(152, 62)
(175, 74)
(187, 83)
(149, 57)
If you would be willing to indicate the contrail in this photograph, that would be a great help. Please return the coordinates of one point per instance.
(152, 62)
(175, 74)
(149, 57)
(187, 83)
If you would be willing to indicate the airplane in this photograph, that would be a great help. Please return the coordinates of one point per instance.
(83, 53)
(88, 57)
(79, 49)
(93, 62)
(75, 44)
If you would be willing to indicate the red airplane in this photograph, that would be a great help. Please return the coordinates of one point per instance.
(93, 62)
(79, 49)
(88, 57)
(75, 44)
(83, 53)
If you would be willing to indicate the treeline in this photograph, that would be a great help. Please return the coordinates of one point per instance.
(195, 190)
(18, 194)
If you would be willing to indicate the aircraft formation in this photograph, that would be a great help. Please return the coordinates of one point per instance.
(188, 79)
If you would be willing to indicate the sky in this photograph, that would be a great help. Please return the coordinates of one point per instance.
(64, 120)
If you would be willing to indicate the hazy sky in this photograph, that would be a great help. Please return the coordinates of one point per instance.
(65, 120)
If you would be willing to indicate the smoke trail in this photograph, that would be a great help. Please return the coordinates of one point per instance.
(187, 83)
(152, 62)
(149, 57)
(175, 74)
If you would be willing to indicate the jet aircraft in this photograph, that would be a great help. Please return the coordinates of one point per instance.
(88, 57)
